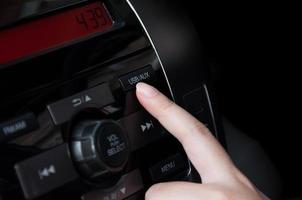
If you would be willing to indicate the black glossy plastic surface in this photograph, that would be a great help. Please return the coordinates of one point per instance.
(39, 82)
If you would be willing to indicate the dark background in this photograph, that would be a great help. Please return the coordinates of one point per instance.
(252, 51)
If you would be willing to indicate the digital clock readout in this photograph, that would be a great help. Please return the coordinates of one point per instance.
(92, 18)
(53, 31)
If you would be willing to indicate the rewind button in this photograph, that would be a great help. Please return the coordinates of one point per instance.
(46, 171)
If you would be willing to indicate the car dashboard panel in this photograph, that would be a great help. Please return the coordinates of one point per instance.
(70, 123)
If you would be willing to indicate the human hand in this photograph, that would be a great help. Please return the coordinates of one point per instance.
(221, 179)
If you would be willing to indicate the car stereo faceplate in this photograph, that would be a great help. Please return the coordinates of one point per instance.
(70, 123)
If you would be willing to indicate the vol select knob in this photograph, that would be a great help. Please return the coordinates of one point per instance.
(99, 148)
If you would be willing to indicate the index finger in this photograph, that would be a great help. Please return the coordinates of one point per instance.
(202, 148)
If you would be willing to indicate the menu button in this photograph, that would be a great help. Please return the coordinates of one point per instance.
(167, 168)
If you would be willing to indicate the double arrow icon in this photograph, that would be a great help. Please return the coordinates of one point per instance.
(47, 171)
(147, 126)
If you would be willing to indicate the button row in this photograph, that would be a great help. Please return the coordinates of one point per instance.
(63, 110)
(97, 97)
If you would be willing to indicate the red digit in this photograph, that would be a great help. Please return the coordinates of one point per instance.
(99, 14)
(82, 20)
(93, 18)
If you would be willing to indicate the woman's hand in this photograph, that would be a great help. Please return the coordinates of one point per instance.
(221, 179)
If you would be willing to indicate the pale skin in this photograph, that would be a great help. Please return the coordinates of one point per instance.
(221, 178)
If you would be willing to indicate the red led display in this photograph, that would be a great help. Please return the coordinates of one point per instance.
(53, 31)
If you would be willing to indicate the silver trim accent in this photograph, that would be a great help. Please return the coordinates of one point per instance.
(153, 46)
(211, 109)
(189, 172)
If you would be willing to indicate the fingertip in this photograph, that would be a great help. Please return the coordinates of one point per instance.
(145, 90)
(138, 86)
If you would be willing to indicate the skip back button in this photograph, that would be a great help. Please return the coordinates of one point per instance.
(46, 171)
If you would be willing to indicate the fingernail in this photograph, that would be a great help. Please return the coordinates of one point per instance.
(146, 90)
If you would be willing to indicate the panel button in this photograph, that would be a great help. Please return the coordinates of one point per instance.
(45, 172)
(196, 100)
(168, 167)
(129, 80)
(18, 126)
(129, 184)
(197, 104)
(142, 129)
(96, 97)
